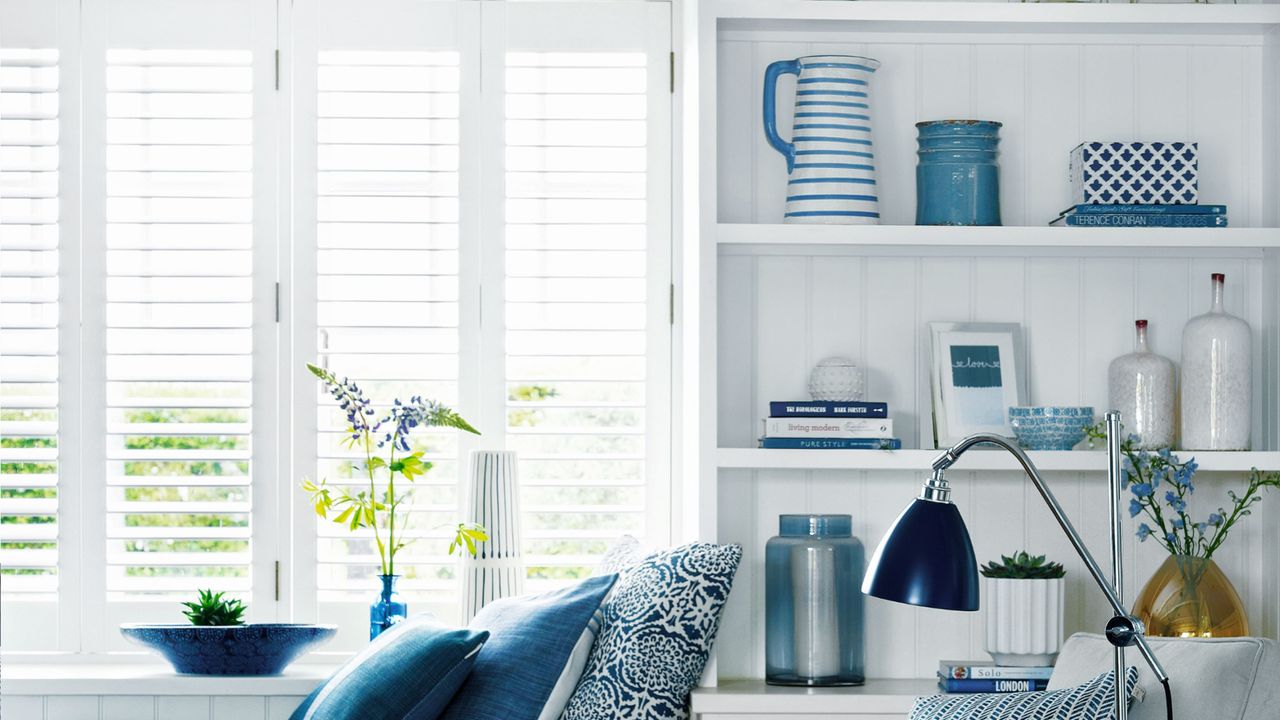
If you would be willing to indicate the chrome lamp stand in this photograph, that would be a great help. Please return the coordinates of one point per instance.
(926, 558)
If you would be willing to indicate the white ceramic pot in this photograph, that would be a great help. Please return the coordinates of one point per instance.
(1024, 620)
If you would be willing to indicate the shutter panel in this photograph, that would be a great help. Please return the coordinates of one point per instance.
(387, 286)
(179, 335)
(29, 323)
(581, 237)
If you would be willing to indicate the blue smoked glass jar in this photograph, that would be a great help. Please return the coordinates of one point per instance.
(957, 176)
(813, 602)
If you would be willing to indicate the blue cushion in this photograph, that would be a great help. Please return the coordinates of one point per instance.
(659, 624)
(409, 672)
(531, 643)
(1094, 700)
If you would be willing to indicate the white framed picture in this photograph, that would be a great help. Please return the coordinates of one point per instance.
(977, 376)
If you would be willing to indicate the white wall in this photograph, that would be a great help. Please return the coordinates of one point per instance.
(146, 707)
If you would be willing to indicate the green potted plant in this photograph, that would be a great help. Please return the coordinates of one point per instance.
(383, 438)
(1024, 597)
(218, 642)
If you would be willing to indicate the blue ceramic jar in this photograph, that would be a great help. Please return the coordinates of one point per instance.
(958, 177)
(813, 602)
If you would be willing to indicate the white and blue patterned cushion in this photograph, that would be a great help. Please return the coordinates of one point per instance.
(1094, 700)
(659, 624)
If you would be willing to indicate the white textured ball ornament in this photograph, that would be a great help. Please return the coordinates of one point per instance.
(836, 379)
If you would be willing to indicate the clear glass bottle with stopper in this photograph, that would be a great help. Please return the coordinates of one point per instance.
(1141, 386)
(1217, 377)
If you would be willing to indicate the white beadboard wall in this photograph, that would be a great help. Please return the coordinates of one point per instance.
(147, 707)
(1050, 91)
(780, 311)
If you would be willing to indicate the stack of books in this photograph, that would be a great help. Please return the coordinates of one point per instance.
(984, 677)
(1143, 215)
(813, 425)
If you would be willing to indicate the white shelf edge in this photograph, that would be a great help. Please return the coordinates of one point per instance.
(1042, 236)
(1194, 17)
(754, 696)
(978, 460)
(154, 679)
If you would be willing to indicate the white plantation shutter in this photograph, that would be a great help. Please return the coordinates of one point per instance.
(387, 287)
(179, 312)
(587, 238)
(29, 322)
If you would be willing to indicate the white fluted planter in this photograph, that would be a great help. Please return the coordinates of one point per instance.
(1024, 620)
(493, 500)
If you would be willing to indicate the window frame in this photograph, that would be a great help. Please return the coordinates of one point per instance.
(284, 287)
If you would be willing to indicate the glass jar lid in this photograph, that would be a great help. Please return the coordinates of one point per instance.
(815, 525)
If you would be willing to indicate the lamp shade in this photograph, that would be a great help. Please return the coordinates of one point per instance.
(925, 559)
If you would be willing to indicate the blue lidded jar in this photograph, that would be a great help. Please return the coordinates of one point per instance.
(958, 175)
(813, 602)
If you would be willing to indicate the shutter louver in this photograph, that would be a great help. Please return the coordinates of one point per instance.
(179, 339)
(387, 287)
(576, 264)
(29, 210)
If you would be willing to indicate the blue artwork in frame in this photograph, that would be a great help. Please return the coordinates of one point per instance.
(976, 378)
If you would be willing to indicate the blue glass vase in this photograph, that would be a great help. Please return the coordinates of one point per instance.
(388, 610)
(813, 605)
(958, 176)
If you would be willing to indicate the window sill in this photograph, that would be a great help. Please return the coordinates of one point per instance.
(151, 679)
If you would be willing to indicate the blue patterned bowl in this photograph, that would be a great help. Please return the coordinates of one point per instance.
(260, 649)
(1050, 427)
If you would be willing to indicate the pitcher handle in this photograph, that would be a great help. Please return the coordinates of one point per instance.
(780, 67)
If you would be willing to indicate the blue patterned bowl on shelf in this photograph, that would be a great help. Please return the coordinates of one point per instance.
(1050, 427)
(258, 649)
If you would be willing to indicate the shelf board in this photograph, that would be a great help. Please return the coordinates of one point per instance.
(978, 459)
(879, 697)
(1057, 17)
(1038, 236)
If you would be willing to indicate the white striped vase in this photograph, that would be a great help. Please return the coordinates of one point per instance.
(831, 157)
(493, 500)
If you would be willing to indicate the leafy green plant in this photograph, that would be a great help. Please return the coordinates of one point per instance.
(379, 506)
(212, 608)
(1145, 474)
(1022, 566)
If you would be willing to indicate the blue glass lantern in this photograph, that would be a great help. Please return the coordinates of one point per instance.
(813, 609)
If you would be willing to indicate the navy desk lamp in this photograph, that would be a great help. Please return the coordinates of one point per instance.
(926, 557)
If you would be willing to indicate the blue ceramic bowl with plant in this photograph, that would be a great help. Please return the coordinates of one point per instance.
(218, 643)
(1050, 427)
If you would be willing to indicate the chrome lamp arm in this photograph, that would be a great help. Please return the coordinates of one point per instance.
(1124, 630)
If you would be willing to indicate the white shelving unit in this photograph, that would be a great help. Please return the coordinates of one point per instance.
(759, 302)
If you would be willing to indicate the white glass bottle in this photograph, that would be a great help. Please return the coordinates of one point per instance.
(1141, 388)
(1217, 375)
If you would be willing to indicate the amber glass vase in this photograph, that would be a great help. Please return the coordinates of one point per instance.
(1191, 597)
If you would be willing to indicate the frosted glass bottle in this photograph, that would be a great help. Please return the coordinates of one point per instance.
(1217, 375)
(813, 602)
(1141, 388)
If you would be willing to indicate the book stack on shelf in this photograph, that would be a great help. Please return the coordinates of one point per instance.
(1143, 215)
(815, 425)
(985, 677)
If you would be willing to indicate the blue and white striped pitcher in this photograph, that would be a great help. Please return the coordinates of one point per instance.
(830, 159)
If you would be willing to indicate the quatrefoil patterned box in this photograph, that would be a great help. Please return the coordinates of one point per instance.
(1121, 173)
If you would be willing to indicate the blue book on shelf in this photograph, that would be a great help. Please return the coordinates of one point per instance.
(831, 443)
(1142, 220)
(991, 686)
(815, 408)
(1145, 209)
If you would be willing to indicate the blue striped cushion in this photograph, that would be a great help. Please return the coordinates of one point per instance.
(1094, 700)
(409, 672)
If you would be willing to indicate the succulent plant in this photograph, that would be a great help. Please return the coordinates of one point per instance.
(212, 609)
(1022, 566)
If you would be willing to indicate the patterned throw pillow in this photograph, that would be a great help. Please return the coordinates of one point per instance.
(659, 624)
(1094, 700)
(622, 554)
(409, 672)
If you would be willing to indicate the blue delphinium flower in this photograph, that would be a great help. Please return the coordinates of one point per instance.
(1143, 490)
(1175, 502)
(1144, 531)
(1135, 507)
(1215, 519)
(1178, 523)
(1171, 538)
